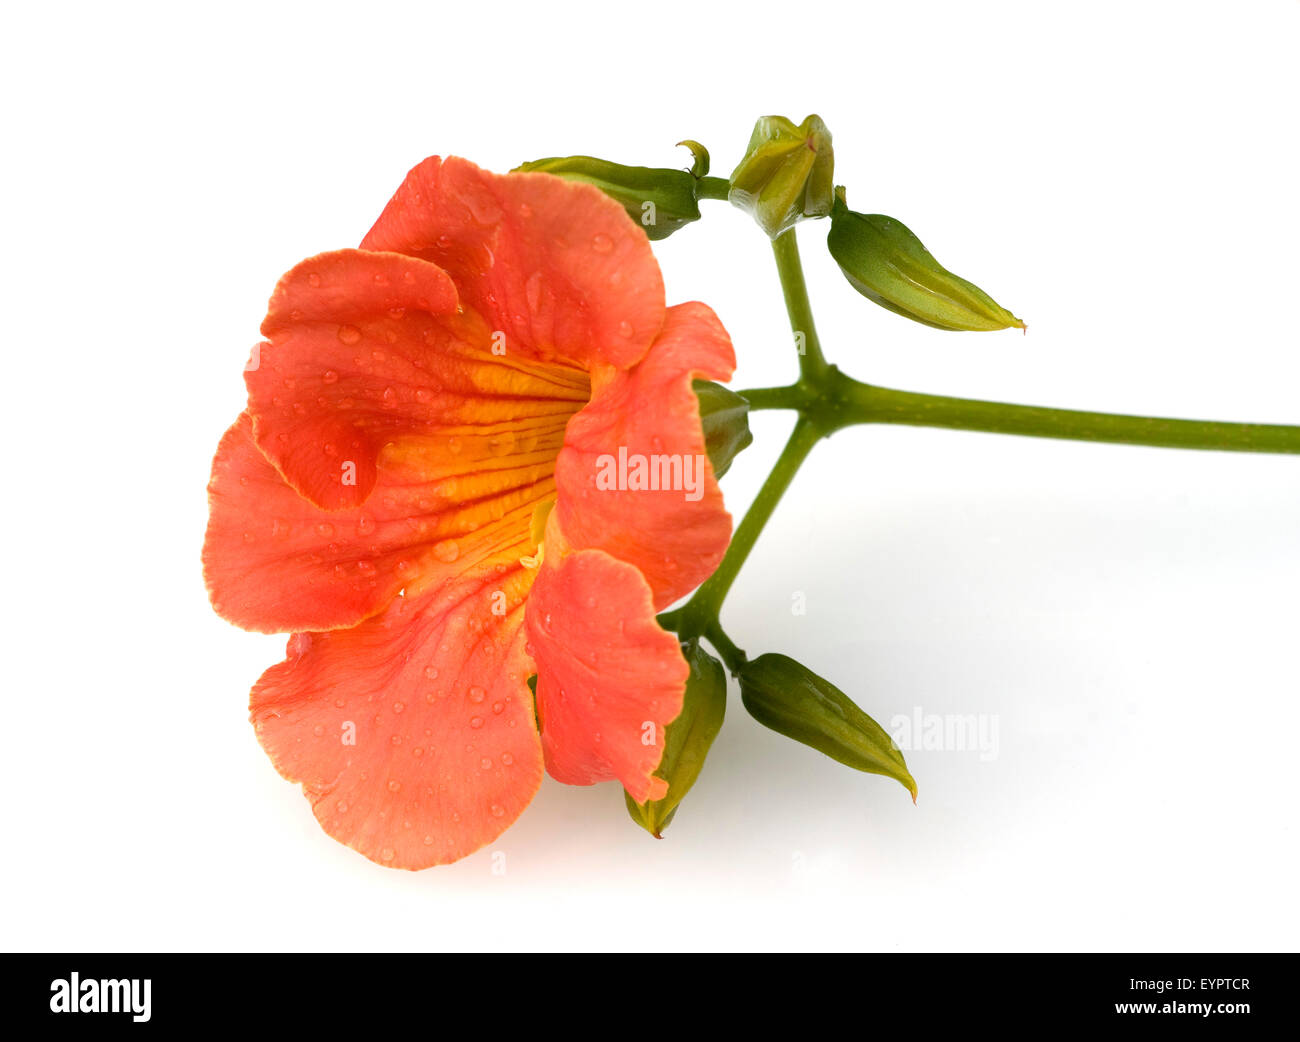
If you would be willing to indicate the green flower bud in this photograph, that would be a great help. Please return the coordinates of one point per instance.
(724, 416)
(658, 199)
(687, 739)
(887, 264)
(792, 700)
(787, 174)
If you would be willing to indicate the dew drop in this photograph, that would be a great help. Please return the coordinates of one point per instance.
(477, 694)
(533, 290)
(349, 334)
(602, 243)
(476, 722)
(447, 551)
(330, 376)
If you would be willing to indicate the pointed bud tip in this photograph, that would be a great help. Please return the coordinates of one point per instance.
(699, 155)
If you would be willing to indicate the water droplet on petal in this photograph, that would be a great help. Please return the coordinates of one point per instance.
(533, 290)
(349, 334)
(602, 243)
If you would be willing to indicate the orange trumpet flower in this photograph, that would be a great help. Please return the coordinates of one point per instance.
(419, 492)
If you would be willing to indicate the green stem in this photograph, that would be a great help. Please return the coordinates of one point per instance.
(699, 616)
(844, 402)
(733, 658)
(812, 363)
(712, 188)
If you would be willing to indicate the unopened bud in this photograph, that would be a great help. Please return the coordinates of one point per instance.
(687, 740)
(887, 264)
(787, 174)
(792, 700)
(724, 415)
(658, 199)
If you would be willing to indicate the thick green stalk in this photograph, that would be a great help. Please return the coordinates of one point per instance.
(712, 188)
(700, 614)
(844, 402)
(812, 363)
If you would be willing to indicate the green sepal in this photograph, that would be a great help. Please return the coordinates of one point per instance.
(700, 154)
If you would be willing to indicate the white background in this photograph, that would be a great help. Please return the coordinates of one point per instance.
(1122, 175)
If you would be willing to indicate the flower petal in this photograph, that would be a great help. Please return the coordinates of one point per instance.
(609, 680)
(275, 563)
(352, 366)
(676, 532)
(555, 265)
(433, 697)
